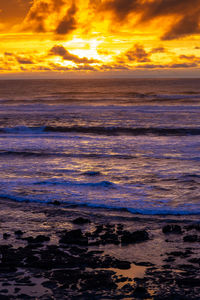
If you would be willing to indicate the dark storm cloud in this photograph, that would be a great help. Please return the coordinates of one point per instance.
(21, 59)
(137, 53)
(38, 14)
(68, 23)
(168, 66)
(114, 67)
(8, 54)
(157, 50)
(85, 67)
(39, 17)
(186, 26)
(184, 65)
(186, 14)
(190, 58)
(151, 66)
(24, 61)
(66, 55)
(122, 8)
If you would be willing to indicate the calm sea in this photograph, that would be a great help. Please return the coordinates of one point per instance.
(124, 144)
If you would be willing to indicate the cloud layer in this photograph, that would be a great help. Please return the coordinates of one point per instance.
(99, 35)
(176, 18)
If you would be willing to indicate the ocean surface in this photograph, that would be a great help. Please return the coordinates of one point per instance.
(129, 144)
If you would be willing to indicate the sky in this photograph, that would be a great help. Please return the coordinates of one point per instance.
(99, 38)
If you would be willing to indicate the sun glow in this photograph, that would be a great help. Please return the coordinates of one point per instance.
(84, 48)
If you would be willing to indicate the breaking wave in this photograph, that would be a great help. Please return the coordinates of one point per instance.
(98, 130)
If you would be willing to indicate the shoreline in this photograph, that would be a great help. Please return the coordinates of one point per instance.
(54, 252)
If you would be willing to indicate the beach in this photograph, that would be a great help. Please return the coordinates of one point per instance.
(53, 252)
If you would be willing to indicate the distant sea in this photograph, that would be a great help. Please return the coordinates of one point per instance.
(130, 144)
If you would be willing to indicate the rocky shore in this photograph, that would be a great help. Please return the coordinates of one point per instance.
(77, 253)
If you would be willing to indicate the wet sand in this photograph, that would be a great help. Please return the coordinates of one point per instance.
(54, 252)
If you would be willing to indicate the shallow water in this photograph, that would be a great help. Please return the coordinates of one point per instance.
(122, 144)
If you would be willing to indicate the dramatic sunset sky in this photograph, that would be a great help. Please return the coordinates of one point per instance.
(100, 37)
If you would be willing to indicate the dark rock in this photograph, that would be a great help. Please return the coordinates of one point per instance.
(121, 279)
(49, 284)
(167, 266)
(38, 239)
(95, 243)
(31, 260)
(101, 280)
(123, 265)
(107, 262)
(92, 173)
(6, 236)
(65, 276)
(24, 296)
(4, 297)
(109, 226)
(93, 252)
(127, 288)
(81, 221)
(169, 259)
(195, 260)
(188, 267)
(17, 290)
(120, 226)
(109, 238)
(140, 292)
(19, 232)
(74, 237)
(56, 202)
(134, 237)
(144, 264)
(172, 229)
(193, 226)
(77, 251)
(190, 282)
(191, 238)
(24, 280)
(181, 254)
(7, 268)
(99, 229)
(6, 284)
(4, 291)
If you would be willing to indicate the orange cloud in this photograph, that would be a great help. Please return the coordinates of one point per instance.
(51, 16)
(68, 23)
(66, 55)
(138, 54)
(185, 21)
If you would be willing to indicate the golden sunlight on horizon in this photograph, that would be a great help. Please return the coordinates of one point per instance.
(98, 36)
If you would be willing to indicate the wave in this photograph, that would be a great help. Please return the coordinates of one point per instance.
(100, 130)
(184, 96)
(103, 184)
(125, 130)
(60, 154)
(66, 97)
(22, 129)
(25, 153)
(139, 211)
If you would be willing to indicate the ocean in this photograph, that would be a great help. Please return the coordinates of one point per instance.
(122, 144)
